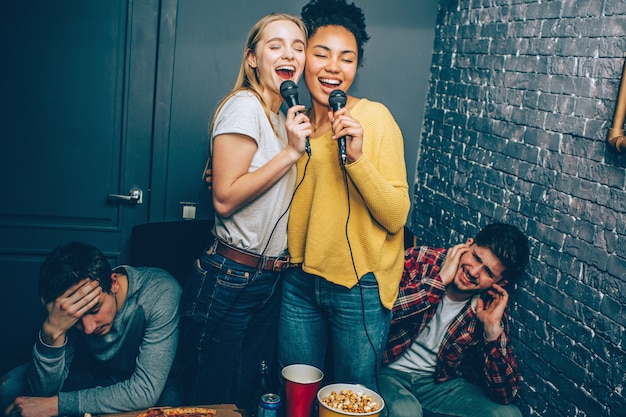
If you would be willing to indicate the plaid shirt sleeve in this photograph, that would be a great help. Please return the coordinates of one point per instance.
(500, 368)
(421, 285)
(490, 364)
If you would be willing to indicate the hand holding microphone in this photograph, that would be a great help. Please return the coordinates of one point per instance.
(345, 127)
(289, 92)
(337, 100)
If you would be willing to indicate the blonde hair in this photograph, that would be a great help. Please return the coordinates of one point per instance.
(248, 78)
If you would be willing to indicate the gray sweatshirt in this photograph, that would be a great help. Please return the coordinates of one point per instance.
(140, 349)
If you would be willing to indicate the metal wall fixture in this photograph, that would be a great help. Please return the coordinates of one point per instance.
(616, 137)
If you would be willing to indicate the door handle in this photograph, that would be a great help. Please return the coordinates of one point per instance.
(135, 196)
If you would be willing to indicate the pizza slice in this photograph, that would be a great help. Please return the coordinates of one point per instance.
(179, 412)
(189, 412)
(152, 412)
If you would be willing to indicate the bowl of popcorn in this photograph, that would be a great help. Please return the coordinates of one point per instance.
(348, 400)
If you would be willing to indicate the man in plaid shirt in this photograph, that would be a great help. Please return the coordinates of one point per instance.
(448, 350)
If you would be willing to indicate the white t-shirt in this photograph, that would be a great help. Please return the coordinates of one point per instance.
(421, 356)
(250, 227)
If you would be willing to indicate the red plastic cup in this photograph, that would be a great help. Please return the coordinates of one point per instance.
(301, 385)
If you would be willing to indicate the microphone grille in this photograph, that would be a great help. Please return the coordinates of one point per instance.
(288, 89)
(337, 99)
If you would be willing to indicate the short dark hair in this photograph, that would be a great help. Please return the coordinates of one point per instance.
(321, 13)
(70, 263)
(509, 244)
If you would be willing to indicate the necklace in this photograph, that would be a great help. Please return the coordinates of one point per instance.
(319, 126)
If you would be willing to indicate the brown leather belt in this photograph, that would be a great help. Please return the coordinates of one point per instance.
(251, 259)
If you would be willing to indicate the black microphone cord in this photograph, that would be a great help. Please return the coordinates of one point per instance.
(337, 100)
(358, 279)
(261, 255)
(306, 165)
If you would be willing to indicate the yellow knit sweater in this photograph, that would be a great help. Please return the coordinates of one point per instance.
(378, 209)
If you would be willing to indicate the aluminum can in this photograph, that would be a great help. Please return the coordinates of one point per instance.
(269, 406)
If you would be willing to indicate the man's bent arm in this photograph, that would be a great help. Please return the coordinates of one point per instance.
(502, 379)
(155, 358)
(49, 368)
(421, 285)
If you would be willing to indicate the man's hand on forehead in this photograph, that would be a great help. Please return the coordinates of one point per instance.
(80, 295)
(84, 287)
(67, 309)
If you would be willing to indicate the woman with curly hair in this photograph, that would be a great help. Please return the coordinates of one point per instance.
(346, 224)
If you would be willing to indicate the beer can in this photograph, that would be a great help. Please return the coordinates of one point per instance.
(270, 405)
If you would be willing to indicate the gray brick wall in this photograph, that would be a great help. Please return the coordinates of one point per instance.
(522, 93)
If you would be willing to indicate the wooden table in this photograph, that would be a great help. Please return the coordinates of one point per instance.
(223, 410)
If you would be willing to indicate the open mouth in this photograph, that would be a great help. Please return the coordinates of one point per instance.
(285, 72)
(329, 83)
(467, 278)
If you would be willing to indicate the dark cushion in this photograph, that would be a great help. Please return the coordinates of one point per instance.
(172, 246)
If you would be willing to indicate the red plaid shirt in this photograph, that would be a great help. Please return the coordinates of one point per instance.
(464, 351)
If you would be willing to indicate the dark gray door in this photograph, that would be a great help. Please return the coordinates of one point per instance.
(77, 83)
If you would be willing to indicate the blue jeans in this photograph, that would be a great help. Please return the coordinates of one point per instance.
(413, 395)
(229, 321)
(317, 314)
(14, 384)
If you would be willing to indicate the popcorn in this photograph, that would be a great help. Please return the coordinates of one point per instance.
(350, 401)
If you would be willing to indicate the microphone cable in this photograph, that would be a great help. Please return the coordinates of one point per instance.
(358, 280)
(337, 100)
(262, 254)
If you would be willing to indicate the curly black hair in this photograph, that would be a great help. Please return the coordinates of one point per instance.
(320, 13)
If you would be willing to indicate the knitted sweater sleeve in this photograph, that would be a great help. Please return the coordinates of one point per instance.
(380, 174)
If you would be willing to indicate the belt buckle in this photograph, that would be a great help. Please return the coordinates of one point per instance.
(280, 264)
